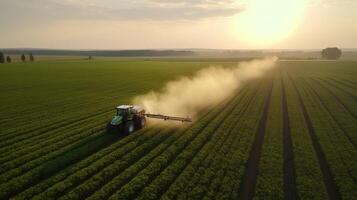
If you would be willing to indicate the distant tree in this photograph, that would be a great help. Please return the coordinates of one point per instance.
(23, 58)
(89, 57)
(331, 53)
(31, 57)
(8, 59)
(2, 57)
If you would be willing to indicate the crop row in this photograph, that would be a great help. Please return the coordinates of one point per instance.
(110, 171)
(190, 183)
(82, 175)
(51, 137)
(42, 186)
(226, 180)
(75, 178)
(350, 89)
(347, 97)
(181, 152)
(81, 90)
(176, 180)
(32, 135)
(103, 164)
(270, 174)
(132, 170)
(109, 152)
(35, 158)
(19, 178)
(340, 158)
(328, 179)
(337, 109)
(63, 101)
(37, 120)
(307, 169)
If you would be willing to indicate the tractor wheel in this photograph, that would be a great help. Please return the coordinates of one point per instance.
(129, 127)
(141, 122)
(112, 129)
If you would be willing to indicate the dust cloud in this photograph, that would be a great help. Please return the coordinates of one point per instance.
(188, 95)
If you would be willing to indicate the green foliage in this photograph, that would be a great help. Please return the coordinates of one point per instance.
(8, 59)
(331, 53)
(53, 145)
(2, 57)
(32, 58)
(23, 58)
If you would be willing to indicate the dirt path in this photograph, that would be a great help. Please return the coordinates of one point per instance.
(247, 187)
(338, 122)
(288, 154)
(337, 97)
(330, 184)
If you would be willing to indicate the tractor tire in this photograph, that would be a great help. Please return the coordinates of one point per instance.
(111, 129)
(141, 123)
(129, 127)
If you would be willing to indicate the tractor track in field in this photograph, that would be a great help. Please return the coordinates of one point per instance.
(48, 122)
(46, 149)
(31, 133)
(135, 194)
(80, 180)
(236, 141)
(337, 98)
(340, 85)
(64, 109)
(97, 170)
(45, 188)
(62, 175)
(343, 83)
(170, 137)
(290, 192)
(28, 167)
(247, 186)
(224, 140)
(234, 101)
(351, 82)
(340, 126)
(36, 179)
(330, 185)
(150, 144)
(52, 137)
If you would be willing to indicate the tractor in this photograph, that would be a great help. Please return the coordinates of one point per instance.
(130, 118)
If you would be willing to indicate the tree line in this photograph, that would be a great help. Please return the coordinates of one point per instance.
(23, 58)
(330, 53)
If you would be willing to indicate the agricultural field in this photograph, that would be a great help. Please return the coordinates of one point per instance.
(290, 134)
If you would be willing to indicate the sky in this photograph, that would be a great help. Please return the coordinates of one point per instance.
(173, 24)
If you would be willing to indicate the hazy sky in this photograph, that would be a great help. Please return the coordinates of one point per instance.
(134, 24)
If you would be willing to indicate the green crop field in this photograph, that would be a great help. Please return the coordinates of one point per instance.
(291, 133)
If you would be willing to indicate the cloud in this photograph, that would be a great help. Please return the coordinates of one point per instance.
(46, 11)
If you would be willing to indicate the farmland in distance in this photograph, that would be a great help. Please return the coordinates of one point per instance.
(289, 134)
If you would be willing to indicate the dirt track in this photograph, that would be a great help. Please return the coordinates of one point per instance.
(288, 154)
(248, 183)
(330, 184)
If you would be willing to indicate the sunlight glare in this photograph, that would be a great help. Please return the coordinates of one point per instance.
(269, 21)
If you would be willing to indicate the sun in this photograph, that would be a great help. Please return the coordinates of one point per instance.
(269, 21)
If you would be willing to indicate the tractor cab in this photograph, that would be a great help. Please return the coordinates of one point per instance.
(127, 112)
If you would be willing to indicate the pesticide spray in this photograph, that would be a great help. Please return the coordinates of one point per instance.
(188, 95)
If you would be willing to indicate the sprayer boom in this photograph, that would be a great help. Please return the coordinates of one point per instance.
(165, 117)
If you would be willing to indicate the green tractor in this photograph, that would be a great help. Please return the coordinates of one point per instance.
(130, 118)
